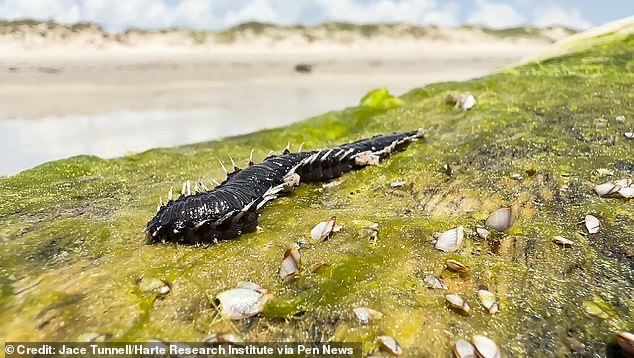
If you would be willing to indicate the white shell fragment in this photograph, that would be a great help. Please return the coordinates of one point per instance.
(488, 300)
(451, 240)
(365, 314)
(560, 240)
(482, 232)
(467, 102)
(464, 349)
(323, 230)
(620, 118)
(464, 101)
(503, 218)
(485, 347)
(435, 282)
(593, 225)
(243, 302)
(289, 271)
(397, 184)
(626, 341)
(629, 135)
(623, 188)
(458, 304)
(516, 176)
(391, 345)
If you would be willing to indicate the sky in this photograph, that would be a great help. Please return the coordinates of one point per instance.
(118, 15)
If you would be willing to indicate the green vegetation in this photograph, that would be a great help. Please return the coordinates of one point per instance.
(72, 250)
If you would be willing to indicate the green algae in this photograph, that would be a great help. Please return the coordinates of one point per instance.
(73, 258)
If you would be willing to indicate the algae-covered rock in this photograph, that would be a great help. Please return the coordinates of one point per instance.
(73, 254)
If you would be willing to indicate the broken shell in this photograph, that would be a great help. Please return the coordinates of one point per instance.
(457, 266)
(323, 230)
(503, 218)
(560, 240)
(464, 349)
(458, 303)
(485, 347)
(365, 314)
(435, 282)
(391, 345)
(629, 135)
(516, 176)
(620, 118)
(592, 224)
(607, 189)
(627, 192)
(450, 241)
(626, 341)
(466, 101)
(243, 302)
(488, 300)
(482, 232)
(397, 184)
(289, 271)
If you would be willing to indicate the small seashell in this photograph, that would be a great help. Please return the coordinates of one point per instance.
(457, 266)
(435, 282)
(626, 341)
(289, 271)
(592, 224)
(464, 349)
(93, 337)
(466, 101)
(482, 232)
(323, 230)
(451, 99)
(516, 176)
(607, 189)
(629, 135)
(485, 347)
(243, 302)
(390, 344)
(365, 314)
(222, 338)
(397, 184)
(620, 118)
(560, 240)
(488, 300)
(503, 218)
(450, 241)
(457, 303)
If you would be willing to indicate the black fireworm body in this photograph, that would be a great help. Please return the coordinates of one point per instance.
(232, 208)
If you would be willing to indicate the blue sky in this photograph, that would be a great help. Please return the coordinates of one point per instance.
(116, 15)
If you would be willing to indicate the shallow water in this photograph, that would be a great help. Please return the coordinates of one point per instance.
(116, 133)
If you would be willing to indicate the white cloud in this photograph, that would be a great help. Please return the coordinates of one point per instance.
(495, 15)
(556, 15)
(215, 14)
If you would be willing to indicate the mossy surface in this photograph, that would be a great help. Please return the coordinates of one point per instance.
(73, 259)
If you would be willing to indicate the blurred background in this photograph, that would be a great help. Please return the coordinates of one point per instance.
(110, 77)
